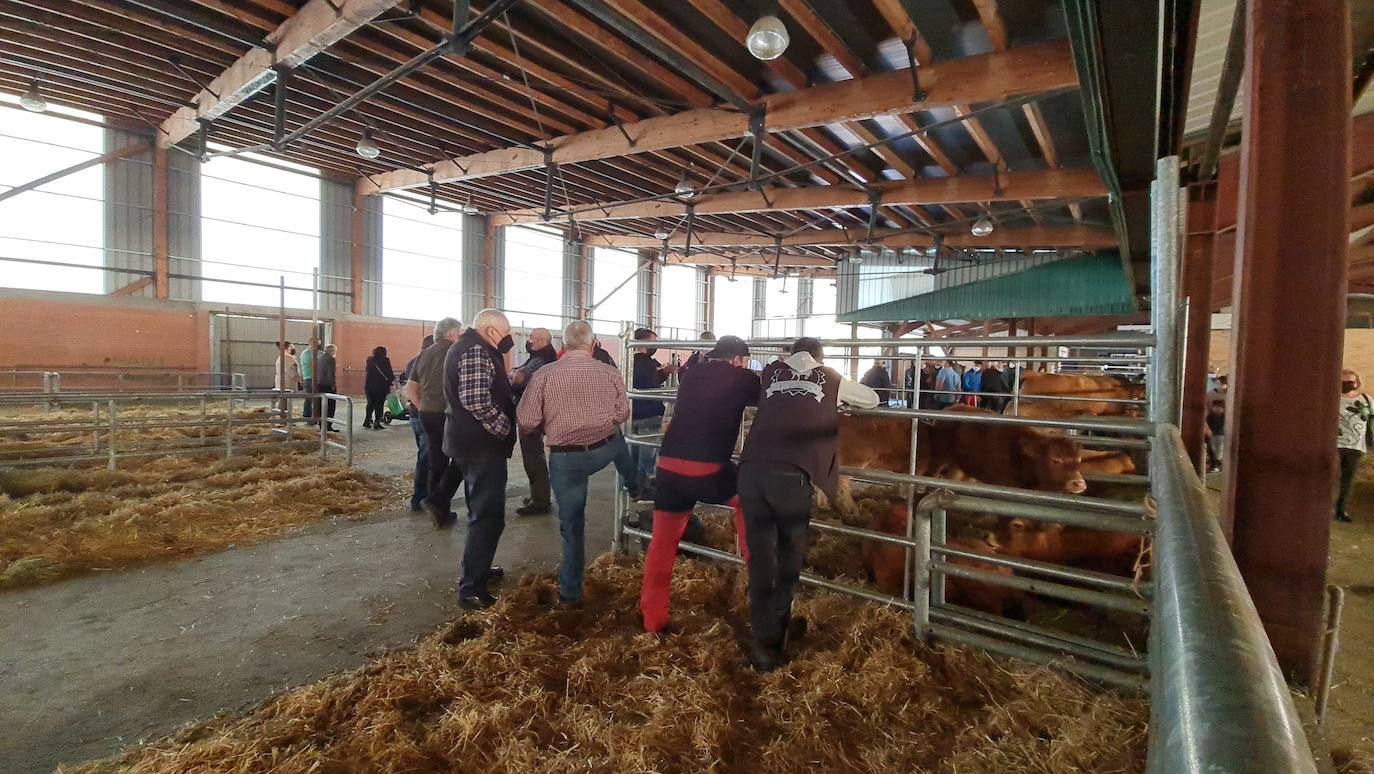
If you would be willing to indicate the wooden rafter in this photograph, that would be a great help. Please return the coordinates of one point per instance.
(1084, 237)
(313, 28)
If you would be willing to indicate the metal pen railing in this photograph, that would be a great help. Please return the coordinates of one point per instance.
(87, 381)
(201, 423)
(1218, 699)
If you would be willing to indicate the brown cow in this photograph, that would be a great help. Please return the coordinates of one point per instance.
(1110, 552)
(1008, 455)
(1083, 386)
(1106, 462)
(885, 565)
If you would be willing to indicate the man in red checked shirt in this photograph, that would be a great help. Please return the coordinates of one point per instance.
(694, 464)
(579, 402)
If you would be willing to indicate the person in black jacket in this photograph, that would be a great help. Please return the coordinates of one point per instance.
(541, 353)
(377, 386)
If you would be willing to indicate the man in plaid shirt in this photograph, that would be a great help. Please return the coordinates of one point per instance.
(579, 403)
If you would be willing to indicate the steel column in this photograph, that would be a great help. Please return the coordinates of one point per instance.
(160, 262)
(356, 242)
(1165, 308)
(1290, 277)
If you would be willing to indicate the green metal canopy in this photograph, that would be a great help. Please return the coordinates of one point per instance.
(1081, 286)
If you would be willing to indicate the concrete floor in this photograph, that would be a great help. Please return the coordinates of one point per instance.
(95, 663)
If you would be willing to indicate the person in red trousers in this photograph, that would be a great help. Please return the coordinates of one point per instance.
(694, 463)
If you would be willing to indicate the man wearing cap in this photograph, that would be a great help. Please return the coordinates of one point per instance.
(694, 463)
(791, 448)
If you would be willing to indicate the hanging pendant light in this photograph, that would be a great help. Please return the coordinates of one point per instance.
(684, 188)
(367, 148)
(768, 38)
(33, 100)
(661, 234)
(469, 208)
(982, 227)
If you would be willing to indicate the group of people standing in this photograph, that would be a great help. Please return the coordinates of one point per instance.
(313, 372)
(470, 413)
(944, 383)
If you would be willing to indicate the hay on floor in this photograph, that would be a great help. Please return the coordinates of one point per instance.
(527, 687)
(58, 522)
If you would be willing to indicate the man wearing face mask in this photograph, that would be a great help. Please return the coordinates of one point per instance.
(479, 434)
(1353, 431)
(646, 415)
(541, 353)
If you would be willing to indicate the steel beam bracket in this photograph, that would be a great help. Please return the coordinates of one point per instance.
(433, 193)
(203, 139)
(457, 44)
(777, 255)
(338, 9)
(757, 130)
(279, 105)
(610, 116)
(691, 222)
(917, 93)
(874, 198)
(996, 180)
(549, 169)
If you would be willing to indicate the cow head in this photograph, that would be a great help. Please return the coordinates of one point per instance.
(1026, 538)
(1056, 462)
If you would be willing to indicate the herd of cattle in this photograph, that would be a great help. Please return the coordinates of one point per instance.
(1006, 455)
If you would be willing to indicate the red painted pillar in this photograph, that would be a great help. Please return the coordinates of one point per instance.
(1197, 291)
(1289, 315)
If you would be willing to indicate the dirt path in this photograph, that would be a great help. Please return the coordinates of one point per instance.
(1350, 714)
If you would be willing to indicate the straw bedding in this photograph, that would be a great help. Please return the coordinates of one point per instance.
(58, 522)
(527, 687)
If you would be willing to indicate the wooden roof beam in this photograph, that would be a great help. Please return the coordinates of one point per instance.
(309, 31)
(1016, 186)
(985, 78)
(1069, 237)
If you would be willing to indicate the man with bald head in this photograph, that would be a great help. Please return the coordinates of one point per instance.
(479, 434)
(579, 404)
(541, 353)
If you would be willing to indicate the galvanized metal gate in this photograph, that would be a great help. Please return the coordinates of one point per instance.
(248, 345)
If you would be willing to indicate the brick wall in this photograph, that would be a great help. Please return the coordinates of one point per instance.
(102, 333)
(356, 339)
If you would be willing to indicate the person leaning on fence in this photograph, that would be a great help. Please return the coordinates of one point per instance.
(425, 390)
(420, 490)
(791, 447)
(541, 353)
(648, 374)
(696, 356)
(578, 404)
(326, 377)
(694, 463)
(377, 386)
(1354, 434)
(479, 434)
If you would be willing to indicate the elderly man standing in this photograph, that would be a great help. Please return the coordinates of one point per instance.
(325, 381)
(579, 403)
(541, 353)
(479, 434)
(425, 390)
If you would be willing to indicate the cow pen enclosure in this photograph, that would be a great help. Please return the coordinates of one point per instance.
(92, 482)
(1218, 699)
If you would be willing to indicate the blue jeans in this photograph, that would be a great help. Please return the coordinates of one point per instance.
(568, 475)
(642, 457)
(484, 482)
(421, 462)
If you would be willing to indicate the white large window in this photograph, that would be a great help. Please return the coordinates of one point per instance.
(50, 230)
(534, 277)
(677, 304)
(613, 270)
(422, 254)
(733, 303)
(780, 308)
(259, 225)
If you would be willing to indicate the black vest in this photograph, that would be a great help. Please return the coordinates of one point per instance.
(797, 423)
(706, 417)
(465, 438)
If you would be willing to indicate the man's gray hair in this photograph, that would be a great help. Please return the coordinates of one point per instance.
(578, 335)
(490, 317)
(444, 326)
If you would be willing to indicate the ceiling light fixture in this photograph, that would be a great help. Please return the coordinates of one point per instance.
(469, 208)
(768, 38)
(661, 234)
(33, 99)
(366, 147)
(684, 187)
(982, 227)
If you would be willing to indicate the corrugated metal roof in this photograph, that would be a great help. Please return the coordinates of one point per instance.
(1081, 286)
(1213, 34)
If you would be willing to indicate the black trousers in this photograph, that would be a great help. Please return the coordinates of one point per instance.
(376, 403)
(1350, 462)
(484, 482)
(445, 475)
(329, 404)
(776, 500)
(536, 467)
